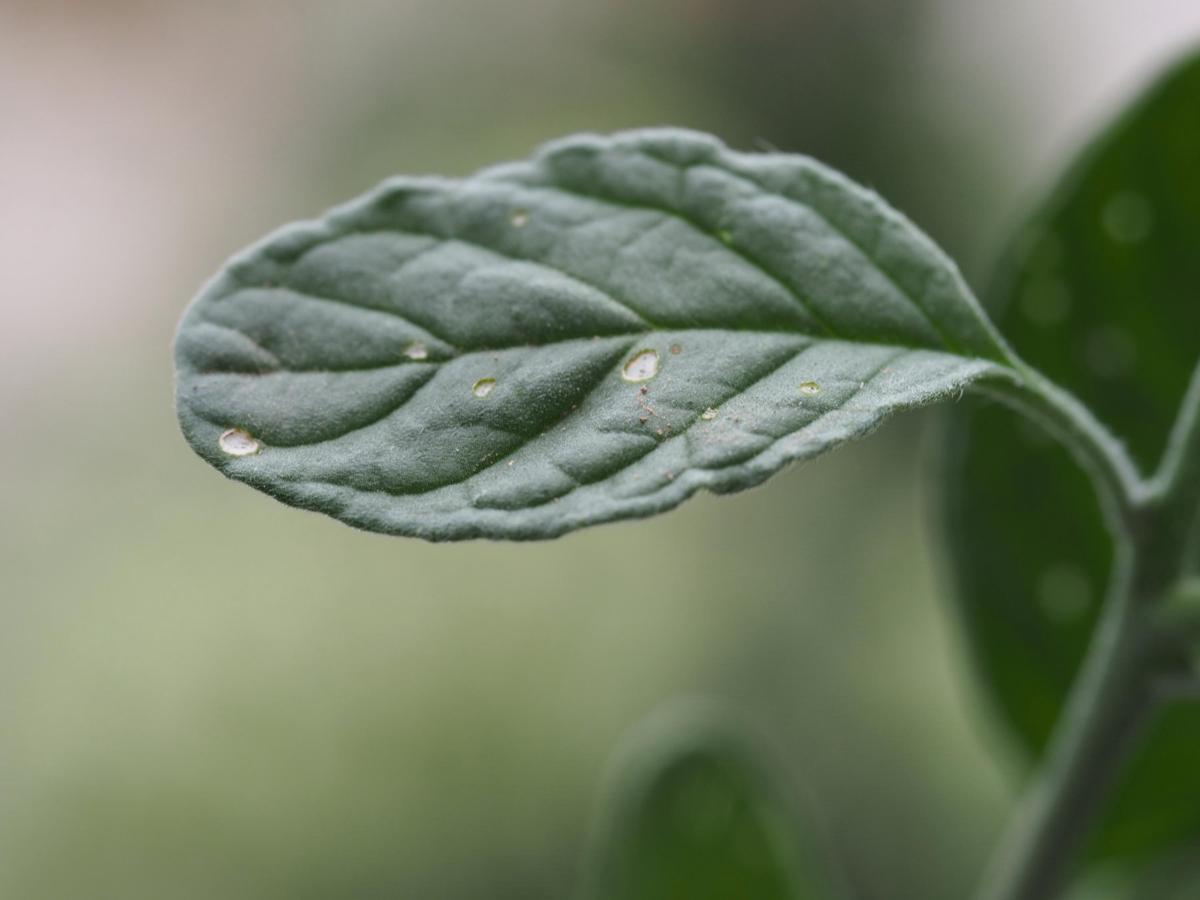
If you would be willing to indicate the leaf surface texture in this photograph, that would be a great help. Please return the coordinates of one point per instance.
(589, 335)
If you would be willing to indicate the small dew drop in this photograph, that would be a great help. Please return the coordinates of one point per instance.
(1064, 592)
(676, 349)
(519, 218)
(1127, 217)
(709, 414)
(237, 442)
(809, 388)
(416, 351)
(483, 387)
(642, 366)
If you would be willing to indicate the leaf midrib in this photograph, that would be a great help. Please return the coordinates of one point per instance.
(682, 433)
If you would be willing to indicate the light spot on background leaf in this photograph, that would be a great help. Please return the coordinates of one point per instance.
(1046, 301)
(1128, 217)
(1064, 592)
(1110, 352)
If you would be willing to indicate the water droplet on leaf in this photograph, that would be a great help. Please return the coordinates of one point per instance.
(809, 388)
(676, 349)
(519, 218)
(709, 414)
(483, 387)
(238, 442)
(642, 366)
(416, 351)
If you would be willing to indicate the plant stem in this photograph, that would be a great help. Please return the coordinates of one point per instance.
(1176, 484)
(1115, 693)
(1120, 488)
(1104, 714)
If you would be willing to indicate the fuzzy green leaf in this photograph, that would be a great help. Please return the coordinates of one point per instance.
(1098, 291)
(693, 809)
(590, 335)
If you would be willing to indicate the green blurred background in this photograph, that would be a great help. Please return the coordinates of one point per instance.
(206, 694)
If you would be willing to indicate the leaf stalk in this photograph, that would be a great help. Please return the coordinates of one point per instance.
(1135, 650)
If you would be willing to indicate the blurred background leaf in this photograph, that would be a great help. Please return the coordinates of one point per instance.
(204, 694)
(1175, 876)
(1098, 290)
(694, 808)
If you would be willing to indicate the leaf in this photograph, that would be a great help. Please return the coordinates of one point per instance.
(694, 811)
(590, 335)
(1098, 290)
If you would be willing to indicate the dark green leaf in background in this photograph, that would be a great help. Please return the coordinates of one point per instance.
(591, 335)
(694, 812)
(1101, 292)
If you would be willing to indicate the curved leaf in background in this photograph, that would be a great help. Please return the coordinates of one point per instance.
(591, 335)
(1100, 291)
(692, 810)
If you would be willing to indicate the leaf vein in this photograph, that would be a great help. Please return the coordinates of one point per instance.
(756, 264)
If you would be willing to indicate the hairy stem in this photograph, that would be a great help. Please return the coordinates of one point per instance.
(1175, 487)
(1117, 689)
(1119, 486)
(1103, 717)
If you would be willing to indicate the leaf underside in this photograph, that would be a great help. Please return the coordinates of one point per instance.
(590, 335)
(1098, 291)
